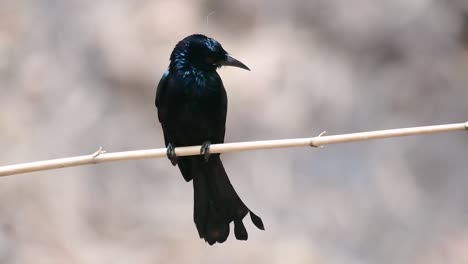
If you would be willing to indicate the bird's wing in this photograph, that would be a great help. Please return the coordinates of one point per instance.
(160, 91)
(221, 117)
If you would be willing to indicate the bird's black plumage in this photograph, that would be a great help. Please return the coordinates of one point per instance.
(192, 106)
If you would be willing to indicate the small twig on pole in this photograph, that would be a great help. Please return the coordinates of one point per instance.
(100, 156)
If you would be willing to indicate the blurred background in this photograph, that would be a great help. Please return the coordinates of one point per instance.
(76, 75)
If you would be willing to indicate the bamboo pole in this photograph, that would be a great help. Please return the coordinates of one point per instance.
(101, 156)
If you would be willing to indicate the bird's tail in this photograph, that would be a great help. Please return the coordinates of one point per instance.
(216, 203)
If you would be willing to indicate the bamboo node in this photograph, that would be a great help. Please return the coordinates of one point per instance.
(98, 152)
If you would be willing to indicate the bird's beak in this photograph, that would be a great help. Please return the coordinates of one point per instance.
(230, 61)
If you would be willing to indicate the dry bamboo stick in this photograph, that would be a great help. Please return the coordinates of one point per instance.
(100, 156)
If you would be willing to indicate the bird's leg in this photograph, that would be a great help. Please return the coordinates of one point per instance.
(171, 154)
(205, 150)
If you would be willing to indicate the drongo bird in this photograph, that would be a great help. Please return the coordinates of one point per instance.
(192, 104)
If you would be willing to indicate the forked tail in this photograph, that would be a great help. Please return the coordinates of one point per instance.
(216, 203)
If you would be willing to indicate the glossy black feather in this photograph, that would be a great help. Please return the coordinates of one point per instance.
(192, 106)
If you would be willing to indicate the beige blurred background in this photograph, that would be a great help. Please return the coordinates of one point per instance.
(76, 75)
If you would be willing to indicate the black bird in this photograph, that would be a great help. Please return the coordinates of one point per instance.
(192, 106)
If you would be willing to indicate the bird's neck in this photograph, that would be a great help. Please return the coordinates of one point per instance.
(191, 76)
(183, 66)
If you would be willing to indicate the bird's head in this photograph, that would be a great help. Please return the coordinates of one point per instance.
(202, 52)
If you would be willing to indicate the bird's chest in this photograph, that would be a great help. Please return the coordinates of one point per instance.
(197, 85)
(198, 96)
(197, 90)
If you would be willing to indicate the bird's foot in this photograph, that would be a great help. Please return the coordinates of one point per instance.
(205, 150)
(171, 155)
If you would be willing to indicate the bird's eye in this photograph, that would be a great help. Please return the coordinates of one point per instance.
(209, 60)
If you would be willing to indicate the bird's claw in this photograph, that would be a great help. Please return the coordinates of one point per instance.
(205, 150)
(171, 155)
